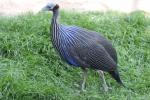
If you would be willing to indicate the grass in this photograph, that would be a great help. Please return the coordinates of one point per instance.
(30, 69)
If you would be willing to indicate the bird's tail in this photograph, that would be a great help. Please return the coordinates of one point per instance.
(116, 76)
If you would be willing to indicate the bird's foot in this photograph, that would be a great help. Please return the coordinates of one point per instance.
(106, 88)
(83, 87)
(83, 90)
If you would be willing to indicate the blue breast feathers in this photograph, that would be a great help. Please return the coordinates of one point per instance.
(65, 52)
(69, 59)
(72, 62)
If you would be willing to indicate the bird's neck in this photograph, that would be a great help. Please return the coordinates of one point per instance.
(55, 27)
(55, 16)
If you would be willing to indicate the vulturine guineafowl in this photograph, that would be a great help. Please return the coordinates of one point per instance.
(83, 48)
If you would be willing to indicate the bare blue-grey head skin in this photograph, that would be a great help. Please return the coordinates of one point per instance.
(49, 7)
(83, 48)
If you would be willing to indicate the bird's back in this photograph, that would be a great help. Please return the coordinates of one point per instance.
(96, 37)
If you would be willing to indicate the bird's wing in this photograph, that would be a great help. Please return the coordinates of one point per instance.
(94, 56)
(94, 36)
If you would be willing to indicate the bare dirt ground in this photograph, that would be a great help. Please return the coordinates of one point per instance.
(14, 7)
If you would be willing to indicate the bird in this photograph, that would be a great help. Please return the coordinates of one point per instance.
(83, 48)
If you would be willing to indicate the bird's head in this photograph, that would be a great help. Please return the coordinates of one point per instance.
(50, 7)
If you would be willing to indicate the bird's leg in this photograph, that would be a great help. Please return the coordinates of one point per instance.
(101, 74)
(84, 75)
